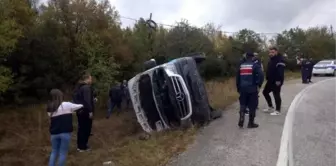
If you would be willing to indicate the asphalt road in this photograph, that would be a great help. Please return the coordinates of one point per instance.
(314, 127)
(222, 143)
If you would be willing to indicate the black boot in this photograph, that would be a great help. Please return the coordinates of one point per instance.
(241, 119)
(251, 123)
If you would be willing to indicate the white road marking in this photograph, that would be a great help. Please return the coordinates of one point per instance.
(285, 157)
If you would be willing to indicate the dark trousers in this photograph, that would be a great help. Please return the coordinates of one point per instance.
(84, 130)
(128, 101)
(247, 111)
(250, 101)
(112, 104)
(272, 87)
(304, 75)
(310, 71)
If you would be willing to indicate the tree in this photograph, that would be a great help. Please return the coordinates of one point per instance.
(14, 16)
(51, 45)
(184, 39)
(249, 40)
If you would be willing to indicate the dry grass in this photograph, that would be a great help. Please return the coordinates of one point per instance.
(24, 136)
(25, 141)
(292, 75)
(222, 93)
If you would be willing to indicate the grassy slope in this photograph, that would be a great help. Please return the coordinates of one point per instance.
(24, 138)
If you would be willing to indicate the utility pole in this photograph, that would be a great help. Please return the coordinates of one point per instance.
(152, 26)
(151, 37)
(332, 31)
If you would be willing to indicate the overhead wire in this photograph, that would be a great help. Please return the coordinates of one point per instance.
(222, 31)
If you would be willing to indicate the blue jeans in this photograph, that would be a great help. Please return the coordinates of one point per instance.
(60, 147)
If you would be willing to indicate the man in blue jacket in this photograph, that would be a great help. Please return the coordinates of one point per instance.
(248, 80)
(257, 61)
(275, 78)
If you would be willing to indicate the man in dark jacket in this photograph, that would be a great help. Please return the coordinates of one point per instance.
(310, 71)
(115, 99)
(84, 95)
(257, 61)
(275, 78)
(304, 68)
(248, 80)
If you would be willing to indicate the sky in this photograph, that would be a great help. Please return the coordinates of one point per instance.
(270, 16)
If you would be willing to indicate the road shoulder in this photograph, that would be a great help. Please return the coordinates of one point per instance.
(223, 143)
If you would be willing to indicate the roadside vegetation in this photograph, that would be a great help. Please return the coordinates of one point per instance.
(120, 139)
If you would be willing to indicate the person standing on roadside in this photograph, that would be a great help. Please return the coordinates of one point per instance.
(60, 113)
(243, 60)
(84, 95)
(304, 70)
(257, 61)
(248, 80)
(275, 78)
(310, 72)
